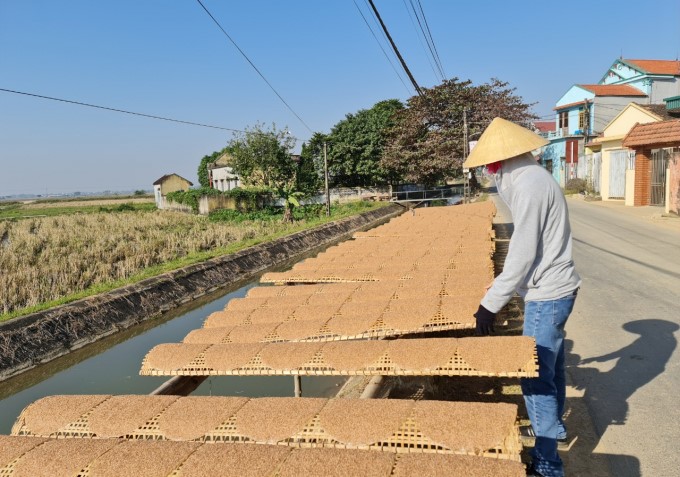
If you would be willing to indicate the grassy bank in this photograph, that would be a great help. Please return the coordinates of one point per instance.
(18, 210)
(49, 261)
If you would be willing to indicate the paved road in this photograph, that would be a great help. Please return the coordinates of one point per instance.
(623, 336)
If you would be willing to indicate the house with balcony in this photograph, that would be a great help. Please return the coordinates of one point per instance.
(580, 114)
(585, 110)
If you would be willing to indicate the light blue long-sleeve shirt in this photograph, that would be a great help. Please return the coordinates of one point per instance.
(539, 263)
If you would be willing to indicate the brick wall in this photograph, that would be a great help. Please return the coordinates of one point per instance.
(643, 177)
(674, 182)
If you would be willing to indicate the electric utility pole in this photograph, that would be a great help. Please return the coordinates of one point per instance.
(325, 175)
(465, 155)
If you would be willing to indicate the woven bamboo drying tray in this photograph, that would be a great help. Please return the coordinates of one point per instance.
(513, 356)
(29, 456)
(453, 238)
(487, 429)
(371, 311)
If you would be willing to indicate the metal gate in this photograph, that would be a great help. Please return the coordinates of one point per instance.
(617, 173)
(658, 183)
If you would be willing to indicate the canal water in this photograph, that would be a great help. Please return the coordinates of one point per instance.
(111, 366)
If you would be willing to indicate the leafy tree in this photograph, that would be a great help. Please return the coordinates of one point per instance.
(425, 143)
(308, 179)
(311, 159)
(203, 177)
(355, 146)
(261, 158)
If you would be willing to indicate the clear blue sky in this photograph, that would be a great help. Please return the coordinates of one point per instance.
(167, 58)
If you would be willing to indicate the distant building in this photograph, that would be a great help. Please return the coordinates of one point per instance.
(544, 128)
(220, 174)
(166, 184)
(657, 163)
(658, 79)
(585, 109)
(618, 162)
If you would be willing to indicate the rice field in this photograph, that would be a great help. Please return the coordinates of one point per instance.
(45, 259)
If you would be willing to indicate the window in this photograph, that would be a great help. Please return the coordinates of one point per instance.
(564, 119)
(582, 119)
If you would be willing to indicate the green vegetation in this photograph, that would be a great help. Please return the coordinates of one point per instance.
(355, 146)
(246, 199)
(190, 197)
(262, 158)
(24, 211)
(57, 260)
(425, 145)
(575, 186)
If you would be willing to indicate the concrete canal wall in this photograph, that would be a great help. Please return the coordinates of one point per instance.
(28, 341)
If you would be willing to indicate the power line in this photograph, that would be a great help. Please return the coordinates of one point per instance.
(396, 50)
(381, 47)
(415, 28)
(80, 103)
(427, 27)
(253, 65)
(428, 40)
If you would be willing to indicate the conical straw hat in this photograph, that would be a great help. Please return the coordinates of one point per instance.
(503, 140)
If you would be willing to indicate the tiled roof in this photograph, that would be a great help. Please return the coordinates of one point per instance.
(659, 67)
(612, 90)
(654, 134)
(658, 109)
(545, 126)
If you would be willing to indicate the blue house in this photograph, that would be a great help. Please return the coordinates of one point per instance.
(580, 114)
(584, 110)
(658, 79)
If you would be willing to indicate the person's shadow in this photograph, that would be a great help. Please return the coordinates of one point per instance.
(606, 394)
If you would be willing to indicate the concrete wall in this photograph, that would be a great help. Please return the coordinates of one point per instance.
(158, 196)
(208, 203)
(607, 148)
(176, 206)
(174, 183)
(555, 151)
(605, 108)
(39, 337)
(673, 184)
(664, 88)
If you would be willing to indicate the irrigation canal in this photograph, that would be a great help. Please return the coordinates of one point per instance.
(111, 366)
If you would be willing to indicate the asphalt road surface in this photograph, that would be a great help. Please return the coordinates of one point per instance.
(623, 393)
(623, 334)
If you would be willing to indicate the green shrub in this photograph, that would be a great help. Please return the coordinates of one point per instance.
(576, 185)
(125, 207)
(235, 216)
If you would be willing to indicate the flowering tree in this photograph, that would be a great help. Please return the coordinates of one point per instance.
(425, 144)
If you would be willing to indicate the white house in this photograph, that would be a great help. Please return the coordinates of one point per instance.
(221, 175)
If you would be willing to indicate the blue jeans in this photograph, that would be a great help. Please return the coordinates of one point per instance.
(545, 395)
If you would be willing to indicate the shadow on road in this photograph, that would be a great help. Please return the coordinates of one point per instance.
(606, 394)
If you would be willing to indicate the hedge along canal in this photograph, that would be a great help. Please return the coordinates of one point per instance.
(96, 345)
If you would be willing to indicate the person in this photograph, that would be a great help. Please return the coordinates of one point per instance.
(539, 267)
